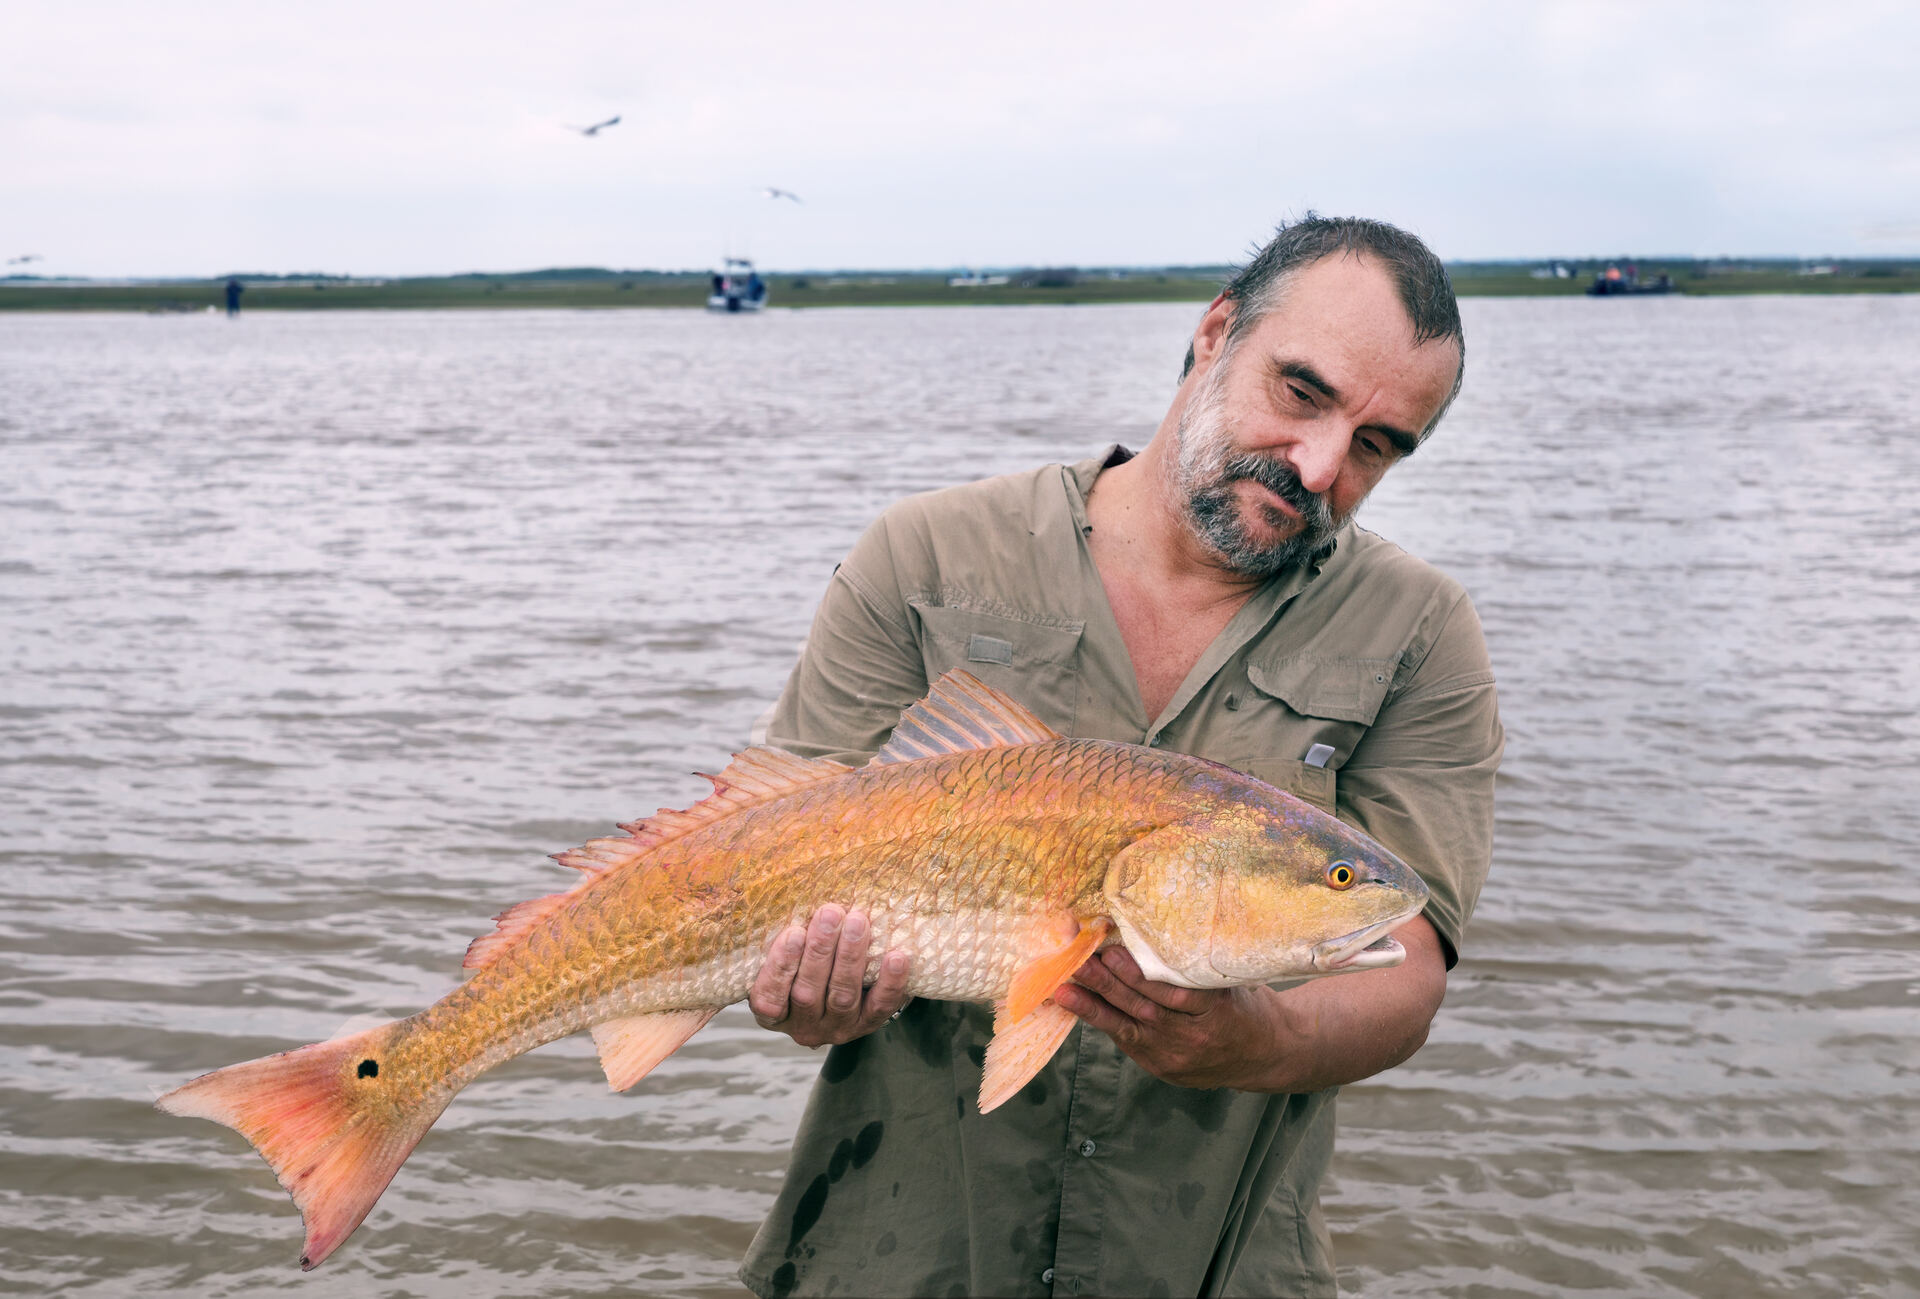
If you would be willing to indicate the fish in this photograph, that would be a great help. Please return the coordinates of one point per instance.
(996, 853)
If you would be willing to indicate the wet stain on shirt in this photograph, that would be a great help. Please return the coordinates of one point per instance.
(808, 1211)
(867, 1144)
(842, 1060)
(1188, 1197)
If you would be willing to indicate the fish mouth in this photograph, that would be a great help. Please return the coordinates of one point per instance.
(1363, 949)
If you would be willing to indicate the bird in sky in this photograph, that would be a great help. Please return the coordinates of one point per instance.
(24, 258)
(771, 192)
(597, 127)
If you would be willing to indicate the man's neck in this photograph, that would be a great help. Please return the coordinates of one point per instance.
(1169, 594)
(1140, 531)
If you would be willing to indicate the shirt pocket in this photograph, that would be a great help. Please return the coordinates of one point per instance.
(1036, 663)
(1297, 703)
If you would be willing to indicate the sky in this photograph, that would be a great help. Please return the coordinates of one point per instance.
(197, 138)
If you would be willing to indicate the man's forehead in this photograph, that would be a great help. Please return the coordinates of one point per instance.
(1342, 320)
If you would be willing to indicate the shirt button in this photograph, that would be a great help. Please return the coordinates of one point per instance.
(1087, 1148)
(1046, 1277)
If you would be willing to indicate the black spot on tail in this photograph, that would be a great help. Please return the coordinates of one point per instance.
(369, 1068)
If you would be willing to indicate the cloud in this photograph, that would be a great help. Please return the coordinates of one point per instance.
(407, 137)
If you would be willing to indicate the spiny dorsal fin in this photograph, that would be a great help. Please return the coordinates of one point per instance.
(755, 776)
(961, 712)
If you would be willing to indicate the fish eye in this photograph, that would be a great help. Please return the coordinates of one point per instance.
(1341, 875)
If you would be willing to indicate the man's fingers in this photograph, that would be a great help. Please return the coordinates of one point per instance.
(1187, 1001)
(849, 967)
(889, 992)
(1101, 980)
(816, 960)
(1078, 1001)
(773, 986)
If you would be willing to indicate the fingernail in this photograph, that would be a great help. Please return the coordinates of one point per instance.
(896, 962)
(793, 941)
(856, 926)
(829, 918)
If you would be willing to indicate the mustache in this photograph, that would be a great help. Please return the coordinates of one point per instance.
(1279, 478)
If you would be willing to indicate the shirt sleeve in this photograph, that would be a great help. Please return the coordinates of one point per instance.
(1421, 779)
(862, 665)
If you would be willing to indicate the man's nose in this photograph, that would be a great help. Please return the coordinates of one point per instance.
(1317, 458)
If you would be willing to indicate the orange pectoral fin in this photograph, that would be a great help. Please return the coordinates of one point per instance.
(1037, 979)
(1019, 1050)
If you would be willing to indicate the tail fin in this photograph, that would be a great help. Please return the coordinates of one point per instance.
(333, 1124)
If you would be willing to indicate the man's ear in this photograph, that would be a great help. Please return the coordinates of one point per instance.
(1211, 335)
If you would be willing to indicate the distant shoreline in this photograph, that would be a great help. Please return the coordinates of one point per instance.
(591, 289)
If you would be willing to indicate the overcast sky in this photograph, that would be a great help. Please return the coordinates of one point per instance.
(195, 138)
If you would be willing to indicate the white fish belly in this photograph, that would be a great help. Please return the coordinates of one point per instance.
(964, 955)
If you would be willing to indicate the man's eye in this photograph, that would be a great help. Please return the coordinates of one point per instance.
(1301, 393)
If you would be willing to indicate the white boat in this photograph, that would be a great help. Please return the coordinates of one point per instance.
(737, 287)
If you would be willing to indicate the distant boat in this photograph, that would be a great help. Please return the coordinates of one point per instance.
(737, 287)
(1615, 282)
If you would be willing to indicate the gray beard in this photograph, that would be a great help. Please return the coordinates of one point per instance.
(1206, 470)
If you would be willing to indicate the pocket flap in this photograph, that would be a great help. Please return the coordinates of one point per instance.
(973, 637)
(1346, 690)
(1314, 784)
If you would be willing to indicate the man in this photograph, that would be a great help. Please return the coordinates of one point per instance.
(1209, 595)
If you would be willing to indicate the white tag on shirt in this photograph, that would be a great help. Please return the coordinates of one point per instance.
(1317, 756)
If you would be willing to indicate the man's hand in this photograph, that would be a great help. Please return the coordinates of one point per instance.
(810, 986)
(1191, 1037)
(1321, 1034)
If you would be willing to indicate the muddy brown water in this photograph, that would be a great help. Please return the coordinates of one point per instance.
(319, 631)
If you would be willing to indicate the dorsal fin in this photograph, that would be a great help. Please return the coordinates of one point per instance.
(757, 775)
(961, 712)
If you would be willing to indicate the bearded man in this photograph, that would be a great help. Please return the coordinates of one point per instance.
(1210, 595)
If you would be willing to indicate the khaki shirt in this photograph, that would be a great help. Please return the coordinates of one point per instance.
(1099, 1179)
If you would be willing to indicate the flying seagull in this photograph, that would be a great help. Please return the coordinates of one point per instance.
(771, 192)
(25, 257)
(597, 127)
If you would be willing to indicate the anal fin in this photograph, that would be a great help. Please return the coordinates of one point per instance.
(1037, 980)
(631, 1047)
(1020, 1049)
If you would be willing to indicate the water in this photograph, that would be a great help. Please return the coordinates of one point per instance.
(318, 632)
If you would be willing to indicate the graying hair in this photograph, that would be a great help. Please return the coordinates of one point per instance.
(1418, 277)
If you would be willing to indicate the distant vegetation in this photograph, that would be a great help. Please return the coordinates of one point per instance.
(593, 287)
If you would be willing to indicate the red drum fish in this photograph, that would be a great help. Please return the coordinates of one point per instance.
(998, 855)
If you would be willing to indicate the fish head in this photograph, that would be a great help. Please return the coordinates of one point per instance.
(1252, 892)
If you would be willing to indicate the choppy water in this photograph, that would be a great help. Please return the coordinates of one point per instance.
(319, 631)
